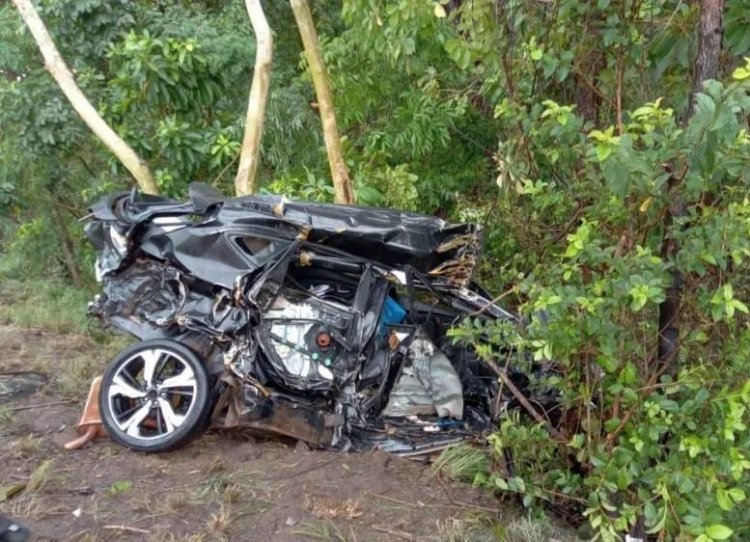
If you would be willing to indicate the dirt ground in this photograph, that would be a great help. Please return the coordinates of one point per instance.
(224, 486)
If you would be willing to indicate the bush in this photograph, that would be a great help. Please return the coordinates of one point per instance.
(658, 441)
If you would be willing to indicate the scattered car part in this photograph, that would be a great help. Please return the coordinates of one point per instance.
(323, 322)
(90, 425)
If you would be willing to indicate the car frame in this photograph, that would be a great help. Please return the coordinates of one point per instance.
(327, 323)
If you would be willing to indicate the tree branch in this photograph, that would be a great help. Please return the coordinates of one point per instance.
(244, 181)
(61, 73)
(342, 184)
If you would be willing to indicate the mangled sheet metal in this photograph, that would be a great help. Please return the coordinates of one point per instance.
(322, 322)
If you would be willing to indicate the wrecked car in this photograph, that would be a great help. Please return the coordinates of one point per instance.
(322, 322)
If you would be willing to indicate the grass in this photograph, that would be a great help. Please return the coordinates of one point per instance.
(227, 488)
(170, 537)
(47, 304)
(75, 380)
(175, 503)
(481, 527)
(462, 462)
(232, 494)
(6, 418)
(219, 523)
(212, 488)
(469, 529)
(525, 529)
(320, 530)
(26, 447)
(40, 477)
(56, 307)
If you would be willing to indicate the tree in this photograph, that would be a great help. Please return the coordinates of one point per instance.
(710, 33)
(64, 78)
(339, 174)
(245, 182)
(706, 67)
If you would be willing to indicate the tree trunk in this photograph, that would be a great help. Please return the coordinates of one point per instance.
(669, 309)
(61, 73)
(341, 183)
(706, 67)
(709, 43)
(588, 97)
(66, 244)
(244, 182)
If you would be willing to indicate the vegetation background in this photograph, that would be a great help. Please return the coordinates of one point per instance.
(610, 169)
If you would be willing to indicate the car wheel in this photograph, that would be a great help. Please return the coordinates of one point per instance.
(155, 396)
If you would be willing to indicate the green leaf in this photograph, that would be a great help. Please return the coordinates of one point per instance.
(728, 292)
(737, 494)
(723, 500)
(603, 152)
(718, 531)
(705, 107)
(501, 484)
(742, 74)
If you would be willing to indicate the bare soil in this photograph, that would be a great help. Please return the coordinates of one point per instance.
(229, 486)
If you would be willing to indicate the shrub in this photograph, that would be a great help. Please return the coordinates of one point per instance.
(658, 441)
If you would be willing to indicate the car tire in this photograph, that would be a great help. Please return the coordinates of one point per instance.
(155, 396)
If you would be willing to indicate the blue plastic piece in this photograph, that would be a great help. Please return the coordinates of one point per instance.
(392, 314)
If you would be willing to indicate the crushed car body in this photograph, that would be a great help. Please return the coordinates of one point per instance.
(323, 322)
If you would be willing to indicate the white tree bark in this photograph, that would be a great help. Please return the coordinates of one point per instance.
(341, 182)
(61, 73)
(244, 181)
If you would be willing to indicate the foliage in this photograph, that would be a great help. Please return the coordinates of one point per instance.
(561, 126)
(52, 304)
(644, 438)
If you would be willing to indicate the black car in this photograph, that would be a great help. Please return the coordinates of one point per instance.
(323, 322)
